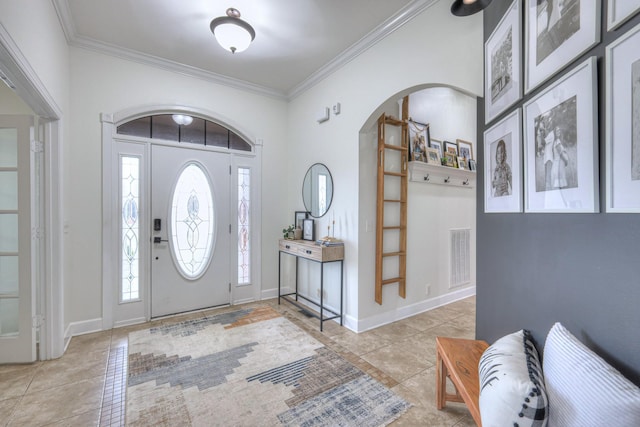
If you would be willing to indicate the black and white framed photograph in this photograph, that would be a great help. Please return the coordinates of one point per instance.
(418, 141)
(561, 144)
(557, 31)
(503, 165)
(437, 144)
(465, 149)
(300, 216)
(472, 165)
(503, 64)
(623, 123)
(619, 11)
(308, 229)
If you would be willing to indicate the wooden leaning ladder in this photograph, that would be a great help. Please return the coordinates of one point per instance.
(390, 175)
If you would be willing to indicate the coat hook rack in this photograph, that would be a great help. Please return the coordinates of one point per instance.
(465, 182)
(426, 178)
(447, 179)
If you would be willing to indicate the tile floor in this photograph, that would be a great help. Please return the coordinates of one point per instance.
(86, 387)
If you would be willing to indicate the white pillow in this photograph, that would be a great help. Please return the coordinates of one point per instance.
(511, 384)
(583, 389)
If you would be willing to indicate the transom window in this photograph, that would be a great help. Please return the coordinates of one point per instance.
(192, 130)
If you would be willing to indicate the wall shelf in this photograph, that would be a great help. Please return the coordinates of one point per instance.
(444, 175)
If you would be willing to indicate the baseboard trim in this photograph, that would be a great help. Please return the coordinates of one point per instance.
(129, 322)
(372, 322)
(81, 328)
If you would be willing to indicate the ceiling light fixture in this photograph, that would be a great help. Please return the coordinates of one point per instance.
(181, 119)
(468, 7)
(233, 34)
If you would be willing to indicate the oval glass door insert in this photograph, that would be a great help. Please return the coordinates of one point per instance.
(192, 222)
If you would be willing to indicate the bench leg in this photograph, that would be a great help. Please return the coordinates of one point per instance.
(441, 382)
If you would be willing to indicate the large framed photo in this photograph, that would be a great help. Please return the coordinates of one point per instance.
(419, 141)
(623, 123)
(561, 144)
(619, 11)
(503, 165)
(557, 32)
(502, 64)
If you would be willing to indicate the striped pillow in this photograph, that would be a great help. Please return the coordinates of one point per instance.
(512, 390)
(583, 389)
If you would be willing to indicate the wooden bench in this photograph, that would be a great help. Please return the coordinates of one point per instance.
(458, 359)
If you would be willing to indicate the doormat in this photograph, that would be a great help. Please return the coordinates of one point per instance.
(250, 367)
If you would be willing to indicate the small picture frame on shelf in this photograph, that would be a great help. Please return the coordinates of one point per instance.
(465, 149)
(451, 148)
(308, 229)
(437, 144)
(462, 163)
(300, 216)
(433, 156)
(448, 160)
(472, 165)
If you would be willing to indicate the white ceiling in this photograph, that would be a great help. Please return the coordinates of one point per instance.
(297, 42)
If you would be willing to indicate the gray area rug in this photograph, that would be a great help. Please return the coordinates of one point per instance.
(249, 367)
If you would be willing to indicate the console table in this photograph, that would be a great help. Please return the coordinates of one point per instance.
(322, 254)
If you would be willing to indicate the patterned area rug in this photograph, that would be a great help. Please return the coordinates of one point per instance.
(250, 367)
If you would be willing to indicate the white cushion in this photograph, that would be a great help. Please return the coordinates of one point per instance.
(583, 389)
(511, 384)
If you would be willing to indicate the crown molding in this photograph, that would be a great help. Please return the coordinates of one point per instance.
(406, 14)
(23, 80)
(383, 30)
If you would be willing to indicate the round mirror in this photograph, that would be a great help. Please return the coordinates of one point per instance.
(317, 190)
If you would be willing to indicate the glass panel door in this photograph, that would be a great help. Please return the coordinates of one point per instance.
(17, 336)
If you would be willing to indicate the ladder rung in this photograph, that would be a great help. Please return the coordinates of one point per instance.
(395, 147)
(391, 121)
(393, 254)
(395, 201)
(394, 227)
(393, 280)
(395, 173)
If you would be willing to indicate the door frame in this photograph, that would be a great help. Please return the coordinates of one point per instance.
(28, 87)
(114, 313)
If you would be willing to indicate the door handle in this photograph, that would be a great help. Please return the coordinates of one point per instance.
(159, 239)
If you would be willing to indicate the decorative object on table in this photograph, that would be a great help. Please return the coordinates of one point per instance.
(623, 123)
(288, 232)
(299, 217)
(561, 144)
(433, 156)
(468, 7)
(308, 230)
(465, 149)
(418, 141)
(620, 11)
(503, 64)
(192, 369)
(557, 35)
(503, 165)
(437, 144)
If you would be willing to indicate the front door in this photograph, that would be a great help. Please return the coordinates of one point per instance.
(190, 234)
(17, 296)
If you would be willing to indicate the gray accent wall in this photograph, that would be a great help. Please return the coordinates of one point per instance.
(582, 270)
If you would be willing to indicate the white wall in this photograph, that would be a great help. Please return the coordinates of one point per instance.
(10, 103)
(434, 48)
(104, 84)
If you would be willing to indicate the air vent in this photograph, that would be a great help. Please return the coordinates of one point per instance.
(460, 257)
